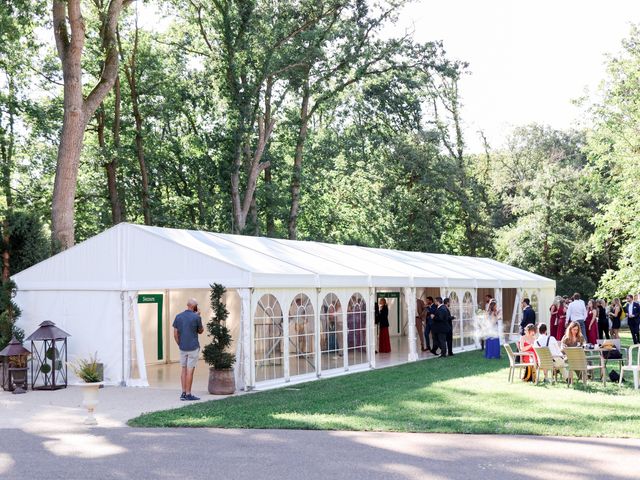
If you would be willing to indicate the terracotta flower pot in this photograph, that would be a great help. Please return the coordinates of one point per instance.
(221, 382)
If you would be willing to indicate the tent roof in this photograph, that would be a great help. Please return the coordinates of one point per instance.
(136, 257)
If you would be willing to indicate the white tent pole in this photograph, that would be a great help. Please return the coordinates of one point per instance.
(345, 338)
(316, 336)
(243, 350)
(500, 318)
(123, 381)
(410, 301)
(371, 328)
(514, 315)
(460, 294)
(142, 368)
(285, 334)
(474, 317)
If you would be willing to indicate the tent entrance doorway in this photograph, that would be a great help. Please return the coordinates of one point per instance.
(150, 309)
(395, 319)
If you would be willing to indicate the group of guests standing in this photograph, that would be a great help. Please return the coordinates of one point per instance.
(595, 319)
(434, 323)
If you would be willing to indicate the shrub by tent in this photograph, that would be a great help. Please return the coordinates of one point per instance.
(298, 309)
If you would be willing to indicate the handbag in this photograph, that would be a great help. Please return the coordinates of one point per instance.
(529, 375)
(613, 354)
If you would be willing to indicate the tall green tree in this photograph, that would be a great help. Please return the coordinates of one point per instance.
(69, 32)
(545, 211)
(614, 152)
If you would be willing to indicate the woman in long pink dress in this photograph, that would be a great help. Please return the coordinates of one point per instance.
(562, 320)
(592, 322)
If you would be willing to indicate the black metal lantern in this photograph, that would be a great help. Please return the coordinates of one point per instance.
(14, 373)
(49, 358)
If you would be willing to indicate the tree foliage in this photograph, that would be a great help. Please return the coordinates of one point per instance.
(305, 120)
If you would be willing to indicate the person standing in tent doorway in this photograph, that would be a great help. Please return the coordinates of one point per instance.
(421, 315)
(528, 315)
(440, 328)
(186, 328)
(447, 303)
(382, 317)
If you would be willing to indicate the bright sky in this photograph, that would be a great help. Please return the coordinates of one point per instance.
(528, 59)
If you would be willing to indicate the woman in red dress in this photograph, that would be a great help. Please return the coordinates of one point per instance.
(562, 320)
(592, 322)
(382, 319)
(553, 327)
(526, 345)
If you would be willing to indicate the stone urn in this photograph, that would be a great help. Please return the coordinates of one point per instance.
(90, 400)
(221, 382)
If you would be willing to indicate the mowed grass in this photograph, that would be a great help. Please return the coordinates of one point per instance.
(461, 394)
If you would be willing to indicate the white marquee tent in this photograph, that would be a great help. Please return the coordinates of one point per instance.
(297, 309)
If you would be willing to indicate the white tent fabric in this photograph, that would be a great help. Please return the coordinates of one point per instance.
(135, 257)
(90, 289)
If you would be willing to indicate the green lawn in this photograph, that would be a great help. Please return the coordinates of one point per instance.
(461, 394)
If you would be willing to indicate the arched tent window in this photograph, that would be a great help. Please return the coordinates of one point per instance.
(331, 325)
(454, 306)
(357, 329)
(268, 339)
(534, 305)
(301, 336)
(468, 327)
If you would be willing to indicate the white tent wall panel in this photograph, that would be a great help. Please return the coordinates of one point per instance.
(94, 264)
(290, 368)
(545, 300)
(93, 319)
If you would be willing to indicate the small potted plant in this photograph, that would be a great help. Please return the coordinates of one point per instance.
(89, 371)
(221, 378)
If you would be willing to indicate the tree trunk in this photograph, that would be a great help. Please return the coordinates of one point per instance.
(269, 218)
(77, 109)
(7, 145)
(254, 165)
(130, 69)
(69, 150)
(296, 177)
(111, 166)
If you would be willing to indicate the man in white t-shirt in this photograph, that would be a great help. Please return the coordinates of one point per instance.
(545, 340)
(577, 312)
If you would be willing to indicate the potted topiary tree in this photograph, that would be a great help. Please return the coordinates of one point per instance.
(221, 379)
(89, 371)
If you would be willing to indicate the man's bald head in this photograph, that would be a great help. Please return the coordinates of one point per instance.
(192, 304)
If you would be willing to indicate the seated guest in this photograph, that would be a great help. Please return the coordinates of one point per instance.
(573, 336)
(526, 345)
(545, 340)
